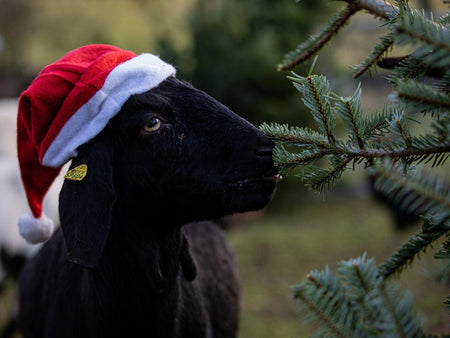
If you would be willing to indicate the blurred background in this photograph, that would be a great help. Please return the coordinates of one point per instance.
(230, 49)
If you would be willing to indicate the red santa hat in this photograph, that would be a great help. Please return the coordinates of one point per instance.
(68, 104)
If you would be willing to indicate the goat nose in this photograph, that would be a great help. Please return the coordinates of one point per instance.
(264, 151)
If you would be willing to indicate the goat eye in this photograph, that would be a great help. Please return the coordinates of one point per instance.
(152, 125)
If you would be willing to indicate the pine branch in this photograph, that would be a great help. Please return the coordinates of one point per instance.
(316, 42)
(414, 27)
(356, 302)
(373, 59)
(360, 276)
(426, 194)
(286, 158)
(378, 8)
(416, 191)
(444, 251)
(408, 66)
(398, 328)
(432, 231)
(285, 133)
(376, 124)
(368, 137)
(408, 153)
(447, 302)
(360, 300)
(319, 179)
(424, 97)
(316, 93)
(433, 38)
(349, 109)
(321, 298)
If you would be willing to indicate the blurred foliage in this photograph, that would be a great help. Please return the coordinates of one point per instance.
(36, 33)
(230, 48)
(280, 249)
(236, 47)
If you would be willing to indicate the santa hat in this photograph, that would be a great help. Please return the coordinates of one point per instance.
(68, 104)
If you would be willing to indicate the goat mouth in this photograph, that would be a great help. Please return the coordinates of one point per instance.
(254, 181)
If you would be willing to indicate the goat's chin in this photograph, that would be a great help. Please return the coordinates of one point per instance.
(250, 195)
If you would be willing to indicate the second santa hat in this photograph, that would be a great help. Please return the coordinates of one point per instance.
(68, 104)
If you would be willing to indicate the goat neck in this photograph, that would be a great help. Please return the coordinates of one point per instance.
(161, 251)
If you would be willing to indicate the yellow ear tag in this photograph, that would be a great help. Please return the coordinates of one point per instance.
(77, 173)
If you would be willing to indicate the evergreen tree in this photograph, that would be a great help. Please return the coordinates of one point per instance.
(361, 300)
(235, 45)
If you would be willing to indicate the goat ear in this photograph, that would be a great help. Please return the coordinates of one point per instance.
(85, 203)
(188, 265)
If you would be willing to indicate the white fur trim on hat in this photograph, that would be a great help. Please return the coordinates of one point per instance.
(35, 230)
(135, 76)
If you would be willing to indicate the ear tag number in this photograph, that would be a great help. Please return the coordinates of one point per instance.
(77, 173)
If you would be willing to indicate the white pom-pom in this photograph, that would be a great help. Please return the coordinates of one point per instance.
(35, 230)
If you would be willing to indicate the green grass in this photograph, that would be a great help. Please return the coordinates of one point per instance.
(277, 251)
(278, 248)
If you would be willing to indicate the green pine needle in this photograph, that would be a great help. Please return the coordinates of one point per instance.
(423, 97)
(433, 38)
(360, 300)
(298, 135)
(379, 51)
(315, 43)
(356, 302)
(433, 229)
(316, 96)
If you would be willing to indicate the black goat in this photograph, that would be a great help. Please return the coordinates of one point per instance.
(12, 264)
(172, 156)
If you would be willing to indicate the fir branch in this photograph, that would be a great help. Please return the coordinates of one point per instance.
(378, 8)
(319, 179)
(401, 152)
(298, 135)
(320, 297)
(392, 314)
(444, 83)
(432, 37)
(315, 43)
(373, 59)
(444, 251)
(371, 151)
(356, 302)
(398, 127)
(324, 113)
(360, 298)
(376, 124)
(285, 158)
(349, 109)
(424, 97)
(415, 193)
(445, 19)
(391, 62)
(360, 275)
(416, 28)
(316, 96)
(321, 317)
(399, 328)
(432, 231)
(408, 67)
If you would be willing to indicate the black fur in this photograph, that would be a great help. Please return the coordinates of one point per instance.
(12, 264)
(127, 263)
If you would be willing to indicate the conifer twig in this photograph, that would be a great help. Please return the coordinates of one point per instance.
(322, 41)
(379, 8)
(416, 244)
(374, 58)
